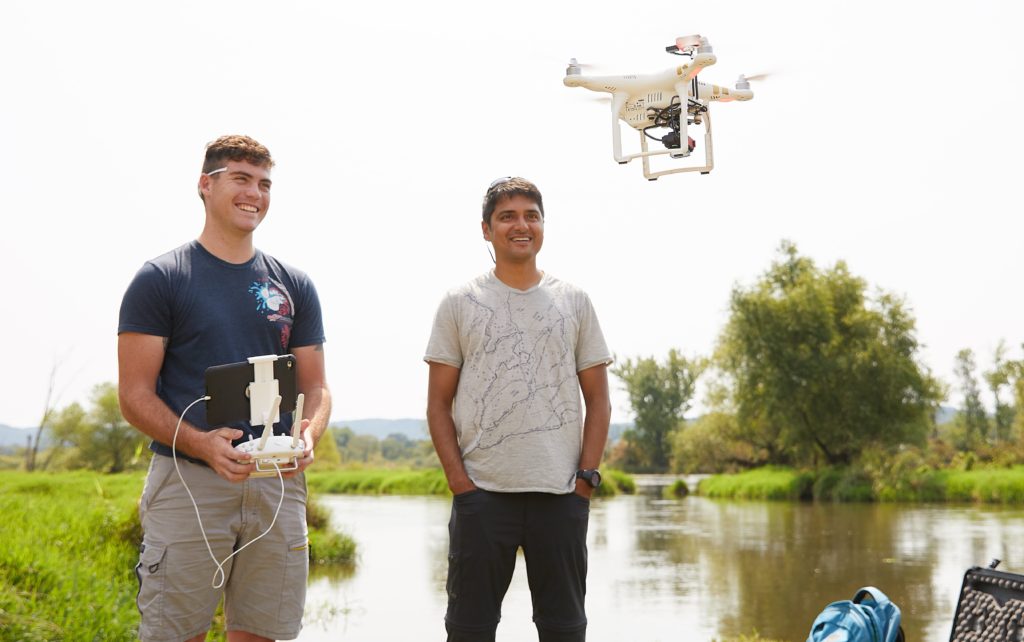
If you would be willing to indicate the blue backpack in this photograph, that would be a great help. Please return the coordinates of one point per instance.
(868, 617)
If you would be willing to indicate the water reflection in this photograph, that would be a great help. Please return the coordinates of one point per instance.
(690, 569)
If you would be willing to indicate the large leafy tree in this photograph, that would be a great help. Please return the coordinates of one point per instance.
(659, 394)
(98, 438)
(109, 442)
(817, 370)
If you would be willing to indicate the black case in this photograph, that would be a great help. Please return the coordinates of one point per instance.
(227, 385)
(990, 608)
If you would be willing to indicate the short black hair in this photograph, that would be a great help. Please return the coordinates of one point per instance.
(508, 187)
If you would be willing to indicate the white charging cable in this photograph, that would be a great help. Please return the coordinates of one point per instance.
(215, 583)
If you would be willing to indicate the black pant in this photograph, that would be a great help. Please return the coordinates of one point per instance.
(485, 530)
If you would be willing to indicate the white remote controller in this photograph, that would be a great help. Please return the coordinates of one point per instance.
(273, 453)
(277, 450)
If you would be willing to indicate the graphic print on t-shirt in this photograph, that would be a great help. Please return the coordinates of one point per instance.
(275, 304)
(529, 361)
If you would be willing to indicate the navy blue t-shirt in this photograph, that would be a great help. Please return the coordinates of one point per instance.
(213, 312)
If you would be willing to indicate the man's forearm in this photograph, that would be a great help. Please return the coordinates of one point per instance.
(595, 435)
(446, 443)
(317, 406)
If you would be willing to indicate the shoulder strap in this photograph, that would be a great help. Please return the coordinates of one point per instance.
(877, 596)
(888, 614)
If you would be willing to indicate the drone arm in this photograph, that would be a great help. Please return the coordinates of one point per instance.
(618, 102)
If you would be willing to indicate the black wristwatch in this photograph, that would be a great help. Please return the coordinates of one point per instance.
(592, 476)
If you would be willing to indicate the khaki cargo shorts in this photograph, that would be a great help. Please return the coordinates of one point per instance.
(266, 583)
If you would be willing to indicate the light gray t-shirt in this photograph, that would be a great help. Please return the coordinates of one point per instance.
(518, 413)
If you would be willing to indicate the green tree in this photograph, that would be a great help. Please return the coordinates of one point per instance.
(98, 438)
(362, 448)
(397, 446)
(972, 417)
(997, 379)
(659, 393)
(710, 445)
(817, 370)
(326, 454)
(342, 436)
(65, 427)
(110, 443)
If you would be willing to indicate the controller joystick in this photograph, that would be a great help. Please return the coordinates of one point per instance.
(273, 453)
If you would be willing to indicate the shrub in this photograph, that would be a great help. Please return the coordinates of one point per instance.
(676, 490)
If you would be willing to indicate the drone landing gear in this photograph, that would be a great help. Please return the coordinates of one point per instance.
(709, 160)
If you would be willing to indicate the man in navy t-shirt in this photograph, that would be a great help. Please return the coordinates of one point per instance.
(213, 301)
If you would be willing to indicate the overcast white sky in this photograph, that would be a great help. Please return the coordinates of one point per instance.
(889, 136)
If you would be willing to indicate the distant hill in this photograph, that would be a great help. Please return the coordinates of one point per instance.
(417, 428)
(381, 428)
(11, 437)
(945, 414)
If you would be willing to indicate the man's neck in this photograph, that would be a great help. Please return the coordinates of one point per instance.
(226, 248)
(521, 276)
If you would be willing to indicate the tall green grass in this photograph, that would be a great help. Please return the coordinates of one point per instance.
(614, 482)
(996, 486)
(917, 484)
(68, 548)
(68, 556)
(428, 481)
(770, 482)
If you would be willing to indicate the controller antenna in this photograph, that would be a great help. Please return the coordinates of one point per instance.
(297, 419)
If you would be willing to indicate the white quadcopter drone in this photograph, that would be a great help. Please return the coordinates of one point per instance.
(668, 100)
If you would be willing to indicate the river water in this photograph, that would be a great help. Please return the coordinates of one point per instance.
(680, 570)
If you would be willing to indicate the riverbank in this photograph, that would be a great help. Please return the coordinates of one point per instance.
(987, 485)
(426, 481)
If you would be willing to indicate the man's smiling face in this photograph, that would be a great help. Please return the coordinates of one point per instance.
(237, 196)
(516, 230)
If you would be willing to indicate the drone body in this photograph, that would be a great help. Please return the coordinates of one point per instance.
(672, 99)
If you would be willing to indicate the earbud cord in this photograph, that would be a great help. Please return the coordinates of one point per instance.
(215, 583)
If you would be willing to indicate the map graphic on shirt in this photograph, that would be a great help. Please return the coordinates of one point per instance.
(518, 413)
(524, 364)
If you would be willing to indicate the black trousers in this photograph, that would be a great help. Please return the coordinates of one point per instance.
(485, 531)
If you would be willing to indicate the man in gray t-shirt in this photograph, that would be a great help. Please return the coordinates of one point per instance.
(509, 354)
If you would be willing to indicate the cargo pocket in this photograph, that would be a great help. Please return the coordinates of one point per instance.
(293, 588)
(151, 573)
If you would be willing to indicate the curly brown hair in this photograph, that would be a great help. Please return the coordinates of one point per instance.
(236, 148)
(507, 188)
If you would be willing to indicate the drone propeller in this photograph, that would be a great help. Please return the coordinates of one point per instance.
(578, 67)
(743, 82)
